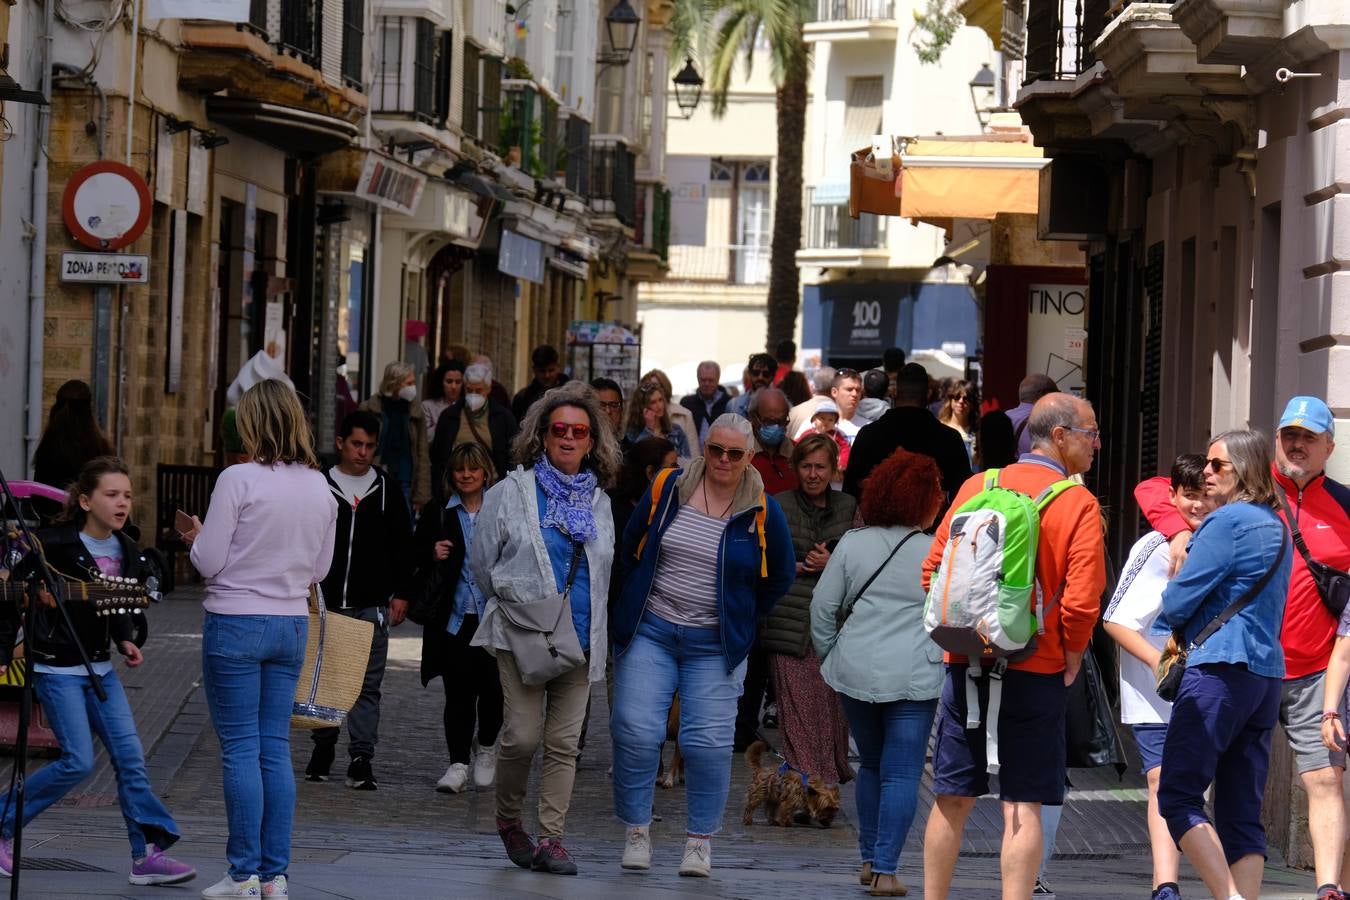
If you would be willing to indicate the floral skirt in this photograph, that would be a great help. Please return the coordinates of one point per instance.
(811, 719)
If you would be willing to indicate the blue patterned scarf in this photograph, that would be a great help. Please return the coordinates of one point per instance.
(567, 504)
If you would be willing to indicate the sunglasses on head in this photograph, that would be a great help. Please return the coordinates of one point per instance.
(846, 373)
(735, 454)
(563, 430)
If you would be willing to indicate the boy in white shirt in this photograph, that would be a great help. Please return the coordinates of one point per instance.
(1129, 620)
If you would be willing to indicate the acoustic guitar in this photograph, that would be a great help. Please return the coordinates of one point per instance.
(110, 595)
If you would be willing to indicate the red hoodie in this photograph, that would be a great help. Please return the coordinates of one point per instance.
(1322, 511)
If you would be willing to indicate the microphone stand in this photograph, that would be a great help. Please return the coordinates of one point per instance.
(55, 587)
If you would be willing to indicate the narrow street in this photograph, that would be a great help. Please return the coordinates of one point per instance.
(406, 840)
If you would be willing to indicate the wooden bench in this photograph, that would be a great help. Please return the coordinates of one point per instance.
(179, 487)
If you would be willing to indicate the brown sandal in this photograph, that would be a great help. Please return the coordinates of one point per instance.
(865, 876)
(887, 885)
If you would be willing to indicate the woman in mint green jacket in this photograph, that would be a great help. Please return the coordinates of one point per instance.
(887, 672)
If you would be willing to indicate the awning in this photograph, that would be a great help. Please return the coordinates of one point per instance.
(986, 15)
(946, 178)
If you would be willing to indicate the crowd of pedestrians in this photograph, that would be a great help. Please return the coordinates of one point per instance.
(791, 554)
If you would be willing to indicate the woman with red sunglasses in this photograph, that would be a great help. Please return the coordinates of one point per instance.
(546, 530)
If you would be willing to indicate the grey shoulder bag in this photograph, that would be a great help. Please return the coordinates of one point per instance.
(540, 635)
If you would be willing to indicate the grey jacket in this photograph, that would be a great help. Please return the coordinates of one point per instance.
(511, 564)
(883, 653)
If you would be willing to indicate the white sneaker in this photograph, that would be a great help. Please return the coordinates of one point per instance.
(454, 779)
(276, 887)
(637, 850)
(484, 766)
(228, 887)
(697, 860)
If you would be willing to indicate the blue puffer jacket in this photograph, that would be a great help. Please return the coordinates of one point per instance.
(751, 579)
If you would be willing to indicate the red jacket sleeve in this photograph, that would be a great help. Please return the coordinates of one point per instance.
(1084, 580)
(1152, 497)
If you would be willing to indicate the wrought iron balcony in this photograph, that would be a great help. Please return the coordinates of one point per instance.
(830, 227)
(1060, 34)
(302, 29)
(720, 264)
(614, 180)
(854, 10)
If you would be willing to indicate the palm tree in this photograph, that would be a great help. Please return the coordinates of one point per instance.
(727, 28)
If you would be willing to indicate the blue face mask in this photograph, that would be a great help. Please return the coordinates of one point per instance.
(772, 435)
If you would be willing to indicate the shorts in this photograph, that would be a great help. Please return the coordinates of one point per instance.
(1149, 738)
(1301, 715)
(1031, 742)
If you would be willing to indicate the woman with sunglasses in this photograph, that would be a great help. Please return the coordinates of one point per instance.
(649, 416)
(706, 554)
(1229, 699)
(546, 529)
(961, 412)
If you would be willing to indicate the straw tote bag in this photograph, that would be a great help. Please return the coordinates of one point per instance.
(336, 654)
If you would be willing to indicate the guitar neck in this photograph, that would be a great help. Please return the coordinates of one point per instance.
(75, 591)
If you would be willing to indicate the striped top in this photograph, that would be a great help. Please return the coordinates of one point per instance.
(684, 590)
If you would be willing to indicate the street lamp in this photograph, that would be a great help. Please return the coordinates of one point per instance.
(621, 26)
(982, 88)
(688, 88)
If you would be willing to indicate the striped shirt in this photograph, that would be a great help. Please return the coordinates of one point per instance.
(684, 591)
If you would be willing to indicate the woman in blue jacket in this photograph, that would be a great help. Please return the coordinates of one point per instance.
(1229, 697)
(712, 557)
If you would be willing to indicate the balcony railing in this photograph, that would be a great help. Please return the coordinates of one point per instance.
(830, 227)
(1060, 34)
(353, 41)
(726, 264)
(302, 29)
(614, 180)
(851, 10)
(577, 147)
(257, 18)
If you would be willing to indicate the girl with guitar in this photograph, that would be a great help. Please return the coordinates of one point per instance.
(87, 545)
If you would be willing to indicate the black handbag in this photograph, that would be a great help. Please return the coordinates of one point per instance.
(1333, 585)
(1172, 665)
(428, 599)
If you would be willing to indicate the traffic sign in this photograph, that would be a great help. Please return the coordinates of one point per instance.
(105, 268)
(106, 205)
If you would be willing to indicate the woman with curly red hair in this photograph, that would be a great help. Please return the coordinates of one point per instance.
(867, 627)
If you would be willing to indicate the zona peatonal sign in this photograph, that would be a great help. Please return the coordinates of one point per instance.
(105, 268)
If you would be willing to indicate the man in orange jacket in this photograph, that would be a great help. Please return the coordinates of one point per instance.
(1070, 563)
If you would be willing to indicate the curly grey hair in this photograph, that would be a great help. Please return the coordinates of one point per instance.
(605, 458)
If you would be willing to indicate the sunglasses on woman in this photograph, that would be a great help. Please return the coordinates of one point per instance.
(735, 454)
(575, 432)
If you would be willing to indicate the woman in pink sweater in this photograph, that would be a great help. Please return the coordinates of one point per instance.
(268, 536)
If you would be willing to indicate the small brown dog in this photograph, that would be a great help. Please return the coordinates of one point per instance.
(668, 778)
(784, 792)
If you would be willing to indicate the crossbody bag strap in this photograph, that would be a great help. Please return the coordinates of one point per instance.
(1294, 530)
(848, 610)
(1237, 605)
(566, 605)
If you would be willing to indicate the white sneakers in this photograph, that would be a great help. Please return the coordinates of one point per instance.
(228, 887)
(637, 849)
(697, 861)
(276, 887)
(484, 766)
(454, 779)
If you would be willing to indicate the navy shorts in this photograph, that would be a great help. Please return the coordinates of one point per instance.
(1030, 739)
(1149, 737)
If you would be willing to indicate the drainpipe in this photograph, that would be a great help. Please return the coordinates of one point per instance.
(131, 94)
(37, 265)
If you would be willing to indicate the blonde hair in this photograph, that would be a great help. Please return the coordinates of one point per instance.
(394, 375)
(273, 426)
(469, 455)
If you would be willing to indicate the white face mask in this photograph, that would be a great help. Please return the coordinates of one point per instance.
(407, 392)
(474, 402)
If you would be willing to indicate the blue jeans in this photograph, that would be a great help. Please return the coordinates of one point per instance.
(892, 742)
(75, 716)
(664, 658)
(250, 665)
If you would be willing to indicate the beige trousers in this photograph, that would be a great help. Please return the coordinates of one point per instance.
(553, 712)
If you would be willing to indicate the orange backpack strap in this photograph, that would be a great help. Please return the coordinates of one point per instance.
(763, 539)
(658, 486)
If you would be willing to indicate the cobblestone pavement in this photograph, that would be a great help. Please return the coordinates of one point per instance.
(406, 840)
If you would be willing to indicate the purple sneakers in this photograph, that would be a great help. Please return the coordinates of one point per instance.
(550, 857)
(6, 856)
(157, 868)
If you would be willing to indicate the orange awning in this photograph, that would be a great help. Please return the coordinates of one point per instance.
(953, 178)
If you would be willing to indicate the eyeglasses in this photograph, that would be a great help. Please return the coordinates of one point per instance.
(611, 404)
(735, 454)
(1091, 434)
(577, 432)
(1217, 464)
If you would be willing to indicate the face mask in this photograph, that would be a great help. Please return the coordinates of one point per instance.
(772, 435)
(407, 393)
(475, 402)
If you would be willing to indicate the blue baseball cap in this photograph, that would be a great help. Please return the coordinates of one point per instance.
(1309, 413)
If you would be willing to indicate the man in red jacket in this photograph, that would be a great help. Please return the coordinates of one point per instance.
(1071, 566)
(1320, 507)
